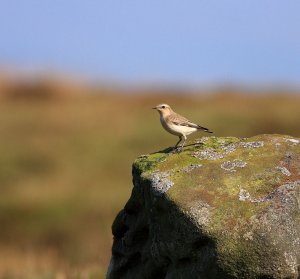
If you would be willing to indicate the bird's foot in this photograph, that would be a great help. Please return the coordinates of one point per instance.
(177, 149)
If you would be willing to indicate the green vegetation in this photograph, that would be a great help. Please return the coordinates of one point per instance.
(65, 168)
(235, 179)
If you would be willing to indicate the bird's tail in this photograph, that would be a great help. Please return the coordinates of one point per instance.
(204, 129)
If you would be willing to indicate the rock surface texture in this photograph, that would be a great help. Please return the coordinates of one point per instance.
(222, 208)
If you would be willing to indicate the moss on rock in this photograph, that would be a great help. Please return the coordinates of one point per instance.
(240, 195)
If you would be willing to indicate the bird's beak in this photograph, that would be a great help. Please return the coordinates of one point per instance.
(154, 108)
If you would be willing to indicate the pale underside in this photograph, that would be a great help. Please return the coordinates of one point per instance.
(177, 130)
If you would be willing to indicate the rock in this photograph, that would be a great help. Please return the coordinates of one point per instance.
(223, 208)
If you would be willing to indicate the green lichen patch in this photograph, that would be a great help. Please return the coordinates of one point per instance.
(178, 161)
(221, 208)
(216, 143)
(229, 166)
(149, 163)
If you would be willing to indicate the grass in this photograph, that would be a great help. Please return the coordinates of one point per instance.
(65, 168)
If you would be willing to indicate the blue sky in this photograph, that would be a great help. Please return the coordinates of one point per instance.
(191, 41)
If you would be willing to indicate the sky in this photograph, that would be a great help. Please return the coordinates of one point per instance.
(169, 41)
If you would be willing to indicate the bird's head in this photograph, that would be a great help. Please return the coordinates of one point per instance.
(163, 109)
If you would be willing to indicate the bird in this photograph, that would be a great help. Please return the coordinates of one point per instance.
(177, 125)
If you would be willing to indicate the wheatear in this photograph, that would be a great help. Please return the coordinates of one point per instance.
(176, 124)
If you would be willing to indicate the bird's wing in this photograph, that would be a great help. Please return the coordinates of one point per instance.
(179, 120)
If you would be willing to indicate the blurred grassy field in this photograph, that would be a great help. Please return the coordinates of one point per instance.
(65, 166)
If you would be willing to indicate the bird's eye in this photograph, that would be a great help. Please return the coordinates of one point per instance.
(163, 106)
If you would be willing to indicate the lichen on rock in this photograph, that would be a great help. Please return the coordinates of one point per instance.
(160, 182)
(222, 208)
(232, 165)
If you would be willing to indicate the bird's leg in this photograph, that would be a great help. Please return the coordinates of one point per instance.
(182, 145)
(176, 148)
(180, 139)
